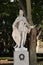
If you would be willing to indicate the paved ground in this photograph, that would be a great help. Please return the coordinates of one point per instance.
(6, 62)
(11, 62)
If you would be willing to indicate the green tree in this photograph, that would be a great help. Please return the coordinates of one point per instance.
(32, 43)
(8, 13)
(37, 12)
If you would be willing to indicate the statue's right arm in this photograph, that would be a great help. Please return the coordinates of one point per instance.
(14, 24)
(29, 25)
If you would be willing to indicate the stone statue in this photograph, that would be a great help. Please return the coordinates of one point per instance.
(20, 29)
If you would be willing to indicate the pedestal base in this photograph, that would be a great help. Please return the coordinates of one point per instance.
(39, 49)
(21, 57)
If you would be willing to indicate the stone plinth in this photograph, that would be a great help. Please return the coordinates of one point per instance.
(21, 56)
(39, 47)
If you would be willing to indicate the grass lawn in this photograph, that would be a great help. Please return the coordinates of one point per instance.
(11, 59)
(8, 58)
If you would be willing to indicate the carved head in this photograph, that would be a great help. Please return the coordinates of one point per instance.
(21, 12)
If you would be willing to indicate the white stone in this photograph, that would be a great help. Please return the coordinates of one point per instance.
(20, 49)
(20, 29)
(39, 47)
(21, 57)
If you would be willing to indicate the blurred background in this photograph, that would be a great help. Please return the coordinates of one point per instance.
(8, 12)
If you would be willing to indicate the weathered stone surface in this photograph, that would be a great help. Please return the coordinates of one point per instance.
(39, 47)
(21, 57)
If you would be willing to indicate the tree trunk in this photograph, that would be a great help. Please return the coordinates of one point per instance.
(22, 6)
(29, 16)
(32, 44)
(32, 47)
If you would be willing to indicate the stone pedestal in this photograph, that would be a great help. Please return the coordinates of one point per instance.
(39, 47)
(21, 56)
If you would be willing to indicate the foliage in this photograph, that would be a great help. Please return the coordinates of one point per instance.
(37, 12)
(8, 13)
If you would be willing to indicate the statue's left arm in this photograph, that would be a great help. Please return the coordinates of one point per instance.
(27, 24)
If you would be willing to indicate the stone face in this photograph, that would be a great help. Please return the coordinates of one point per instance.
(21, 57)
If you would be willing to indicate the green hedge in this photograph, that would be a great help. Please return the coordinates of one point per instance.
(11, 58)
(8, 58)
(39, 58)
